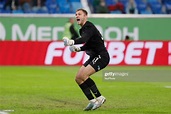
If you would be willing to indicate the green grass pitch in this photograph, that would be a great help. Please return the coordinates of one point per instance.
(52, 90)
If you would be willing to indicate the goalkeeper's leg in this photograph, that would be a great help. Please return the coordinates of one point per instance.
(88, 85)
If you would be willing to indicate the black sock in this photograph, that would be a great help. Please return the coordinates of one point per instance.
(91, 84)
(86, 91)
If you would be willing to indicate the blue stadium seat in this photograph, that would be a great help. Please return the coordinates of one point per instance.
(27, 8)
(74, 1)
(156, 7)
(165, 1)
(7, 10)
(64, 8)
(141, 6)
(61, 1)
(2, 10)
(152, 1)
(51, 6)
(145, 12)
(110, 2)
(124, 2)
(168, 6)
(42, 10)
(2, 5)
(75, 6)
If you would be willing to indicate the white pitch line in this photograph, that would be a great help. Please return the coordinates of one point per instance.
(167, 87)
(6, 111)
(2, 112)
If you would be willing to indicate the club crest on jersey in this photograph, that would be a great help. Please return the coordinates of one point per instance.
(98, 67)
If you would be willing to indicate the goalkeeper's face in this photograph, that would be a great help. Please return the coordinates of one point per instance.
(81, 17)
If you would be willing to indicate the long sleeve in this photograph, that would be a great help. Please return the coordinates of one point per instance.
(86, 33)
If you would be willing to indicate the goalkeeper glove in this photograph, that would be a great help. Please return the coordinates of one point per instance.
(74, 48)
(68, 42)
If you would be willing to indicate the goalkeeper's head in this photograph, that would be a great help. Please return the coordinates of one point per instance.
(81, 16)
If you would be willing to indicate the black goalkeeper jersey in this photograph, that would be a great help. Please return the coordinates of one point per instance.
(92, 39)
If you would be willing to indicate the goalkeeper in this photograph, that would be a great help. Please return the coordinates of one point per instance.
(99, 58)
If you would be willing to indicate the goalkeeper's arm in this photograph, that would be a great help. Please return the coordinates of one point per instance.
(83, 39)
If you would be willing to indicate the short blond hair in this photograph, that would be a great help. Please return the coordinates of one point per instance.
(85, 12)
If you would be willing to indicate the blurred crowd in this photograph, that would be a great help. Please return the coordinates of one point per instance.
(96, 6)
(131, 6)
(22, 6)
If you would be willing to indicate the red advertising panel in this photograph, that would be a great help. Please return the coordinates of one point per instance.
(55, 53)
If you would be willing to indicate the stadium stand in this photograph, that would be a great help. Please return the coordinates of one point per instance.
(167, 4)
(95, 6)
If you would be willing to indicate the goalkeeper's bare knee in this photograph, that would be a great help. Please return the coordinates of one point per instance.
(80, 78)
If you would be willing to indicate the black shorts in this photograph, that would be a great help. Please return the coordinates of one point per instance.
(98, 62)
